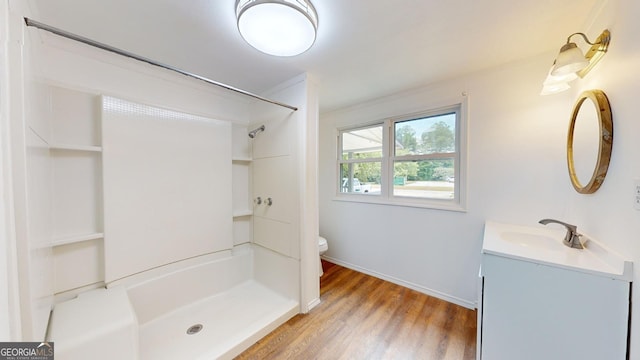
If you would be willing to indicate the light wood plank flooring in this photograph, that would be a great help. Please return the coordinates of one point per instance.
(362, 317)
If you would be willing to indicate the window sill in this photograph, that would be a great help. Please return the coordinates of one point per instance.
(422, 204)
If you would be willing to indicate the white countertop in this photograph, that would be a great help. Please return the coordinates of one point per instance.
(595, 259)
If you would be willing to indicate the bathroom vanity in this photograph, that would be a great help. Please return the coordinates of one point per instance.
(540, 299)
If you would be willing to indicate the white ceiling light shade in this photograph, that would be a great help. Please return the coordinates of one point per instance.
(571, 62)
(554, 88)
(277, 27)
(557, 83)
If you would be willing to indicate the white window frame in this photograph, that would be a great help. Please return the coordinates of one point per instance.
(386, 197)
(381, 159)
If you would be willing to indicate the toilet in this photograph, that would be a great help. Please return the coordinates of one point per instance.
(322, 248)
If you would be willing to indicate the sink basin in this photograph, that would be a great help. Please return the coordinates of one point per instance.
(533, 240)
(543, 245)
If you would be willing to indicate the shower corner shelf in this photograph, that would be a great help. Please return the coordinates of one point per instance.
(89, 148)
(242, 213)
(241, 160)
(76, 239)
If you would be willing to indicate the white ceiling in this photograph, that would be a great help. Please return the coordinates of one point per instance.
(365, 48)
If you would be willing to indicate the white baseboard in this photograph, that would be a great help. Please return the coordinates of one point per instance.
(312, 304)
(452, 299)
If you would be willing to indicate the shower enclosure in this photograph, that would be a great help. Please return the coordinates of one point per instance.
(137, 184)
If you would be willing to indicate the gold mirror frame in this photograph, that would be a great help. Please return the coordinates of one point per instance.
(605, 122)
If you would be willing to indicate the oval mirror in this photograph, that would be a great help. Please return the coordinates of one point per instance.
(589, 141)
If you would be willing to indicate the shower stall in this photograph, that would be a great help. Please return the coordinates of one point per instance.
(137, 224)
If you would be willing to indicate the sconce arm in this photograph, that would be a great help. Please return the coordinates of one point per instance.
(583, 36)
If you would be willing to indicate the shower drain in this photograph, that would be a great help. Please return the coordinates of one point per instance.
(194, 329)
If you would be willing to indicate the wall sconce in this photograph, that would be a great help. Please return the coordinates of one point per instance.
(571, 63)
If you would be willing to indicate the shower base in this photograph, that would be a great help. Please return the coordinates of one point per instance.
(231, 321)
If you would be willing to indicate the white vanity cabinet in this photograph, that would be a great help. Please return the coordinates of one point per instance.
(550, 303)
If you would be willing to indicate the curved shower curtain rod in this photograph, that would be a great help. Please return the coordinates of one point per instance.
(112, 49)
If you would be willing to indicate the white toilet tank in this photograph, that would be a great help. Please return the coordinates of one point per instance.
(323, 246)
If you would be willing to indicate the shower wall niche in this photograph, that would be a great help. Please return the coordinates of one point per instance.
(241, 167)
(76, 166)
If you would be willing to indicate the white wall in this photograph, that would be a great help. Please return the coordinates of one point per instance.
(437, 251)
(9, 308)
(4, 218)
(516, 170)
(608, 214)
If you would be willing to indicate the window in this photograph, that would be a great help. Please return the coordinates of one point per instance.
(412, 160)
(361, 160)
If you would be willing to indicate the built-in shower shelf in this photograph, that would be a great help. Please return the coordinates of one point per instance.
(242, 213)
(76, 239)
(241, 160)
(76, 147)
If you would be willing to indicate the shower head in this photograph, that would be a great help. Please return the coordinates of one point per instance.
(255, 132)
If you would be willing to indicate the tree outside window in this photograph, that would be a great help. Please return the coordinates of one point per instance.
(420, 163)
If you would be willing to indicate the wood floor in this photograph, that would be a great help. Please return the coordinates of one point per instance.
(362, 317)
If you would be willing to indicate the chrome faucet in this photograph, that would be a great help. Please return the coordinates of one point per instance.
(572, 239)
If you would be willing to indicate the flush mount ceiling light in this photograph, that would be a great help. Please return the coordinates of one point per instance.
(277, 27)
(571, 63)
